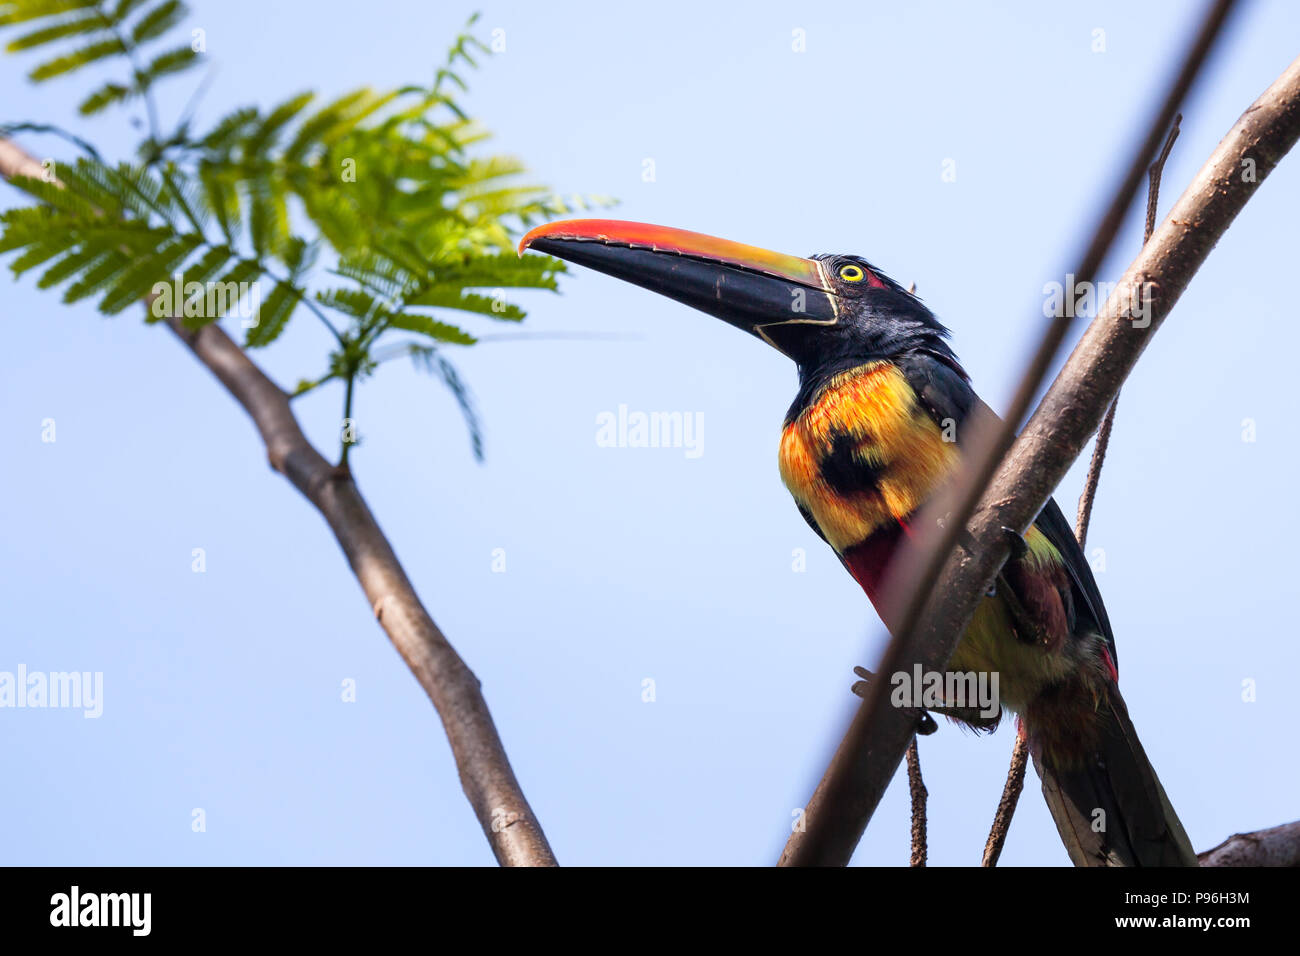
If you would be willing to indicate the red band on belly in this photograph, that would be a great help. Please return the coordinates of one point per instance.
(869, 560)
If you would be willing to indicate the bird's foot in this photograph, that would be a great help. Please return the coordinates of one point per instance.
(925, 724)
(1018, 549)
(1016, 542)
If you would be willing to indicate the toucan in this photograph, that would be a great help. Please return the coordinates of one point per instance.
(874, 431)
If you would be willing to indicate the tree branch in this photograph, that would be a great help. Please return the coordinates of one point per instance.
(1052, 439)
(1279, 846)
(1020, 753)
(508, 821)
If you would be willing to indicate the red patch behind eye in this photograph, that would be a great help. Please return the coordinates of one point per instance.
(874, 280)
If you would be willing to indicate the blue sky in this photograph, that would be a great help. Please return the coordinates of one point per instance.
(222, 690)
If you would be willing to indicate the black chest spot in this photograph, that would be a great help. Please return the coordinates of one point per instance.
(847, 469)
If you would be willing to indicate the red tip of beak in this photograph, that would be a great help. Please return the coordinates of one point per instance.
(617, 231)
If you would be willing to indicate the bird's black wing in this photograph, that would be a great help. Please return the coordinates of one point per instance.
(1057, 530)
(941, 386)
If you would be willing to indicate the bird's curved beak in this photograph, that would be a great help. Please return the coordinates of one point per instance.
(751, 288)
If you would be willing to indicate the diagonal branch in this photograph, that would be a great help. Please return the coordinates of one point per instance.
(1035, 464)
(1020, 753)
(508, 822)
(1278, 846)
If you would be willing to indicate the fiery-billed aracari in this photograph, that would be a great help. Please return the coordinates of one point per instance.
(875, 428)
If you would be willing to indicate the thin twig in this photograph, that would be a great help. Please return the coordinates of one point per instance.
(349, 429)
(1007, 805)
(874, 745)
(1156, 171)
(916, 786)
(1094, 474)
(1108, 423)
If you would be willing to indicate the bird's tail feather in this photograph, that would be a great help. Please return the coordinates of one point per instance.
(1109, 807)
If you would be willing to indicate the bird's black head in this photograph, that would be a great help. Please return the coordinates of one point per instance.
(825, 312)
(875, 318)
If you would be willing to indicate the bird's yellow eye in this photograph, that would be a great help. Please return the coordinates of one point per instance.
(851, 274)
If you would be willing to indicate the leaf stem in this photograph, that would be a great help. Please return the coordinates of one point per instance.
(347, 417)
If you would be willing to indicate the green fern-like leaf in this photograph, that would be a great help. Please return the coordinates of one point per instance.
(193, 313)
(268, 216)
(94, 181)
(23, 11)
(439, 331)
(206, 266)
(71, 264)
(186, 196)
(492, 307)
(24, 226)
(506, 270)
(417, 217)
(229, 129)
(77, 26)
(157, 21)
(215, 298)
(378, 274)
(93, 53)
(431, 360)
(125, 8)
(146, 273)
(38, 253)
(173, 61)
(273, 315)
(335, 120)
(107, 34)
(142, 192)
(106, 267)
(353, 302)
(221, 200)
(54, 194)
(104, 97)
(245, 270)
(264, 135)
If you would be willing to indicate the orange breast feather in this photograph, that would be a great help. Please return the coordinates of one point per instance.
(864, 454)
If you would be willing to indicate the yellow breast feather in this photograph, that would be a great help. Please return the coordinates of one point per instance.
(896, 454)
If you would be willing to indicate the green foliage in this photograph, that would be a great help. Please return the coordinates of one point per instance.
(385, 185)
(99, 30)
